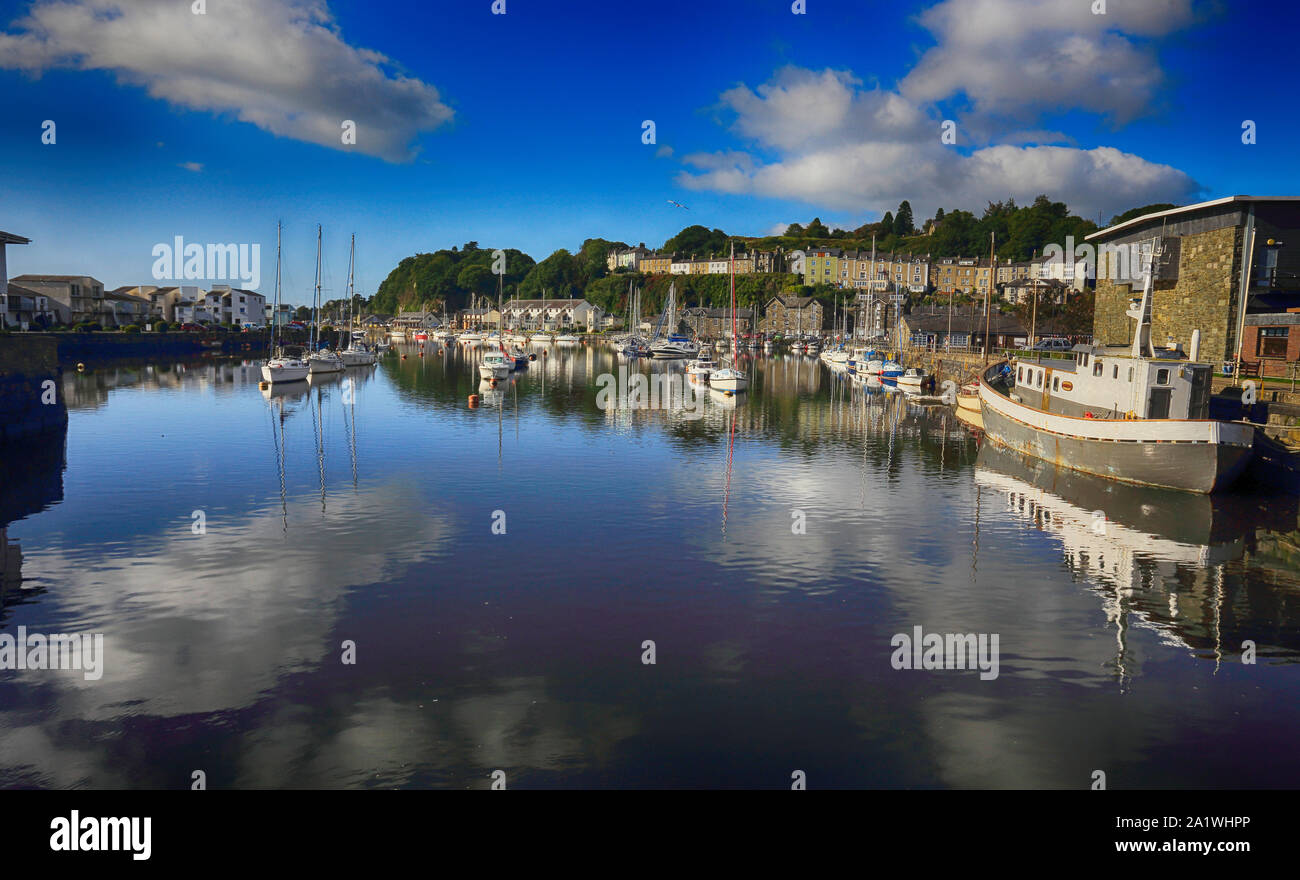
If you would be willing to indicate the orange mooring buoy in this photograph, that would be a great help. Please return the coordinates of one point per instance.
(403, 357)
(473, 401)
(422, 354)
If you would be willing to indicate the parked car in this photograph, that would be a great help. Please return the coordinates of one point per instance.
(191, 328)
(248, 327)
(1053, 344)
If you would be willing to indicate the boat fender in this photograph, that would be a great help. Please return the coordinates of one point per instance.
(473, 401)
(493, 383)
(1088, 415)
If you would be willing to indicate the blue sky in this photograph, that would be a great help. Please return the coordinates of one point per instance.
(525, 129)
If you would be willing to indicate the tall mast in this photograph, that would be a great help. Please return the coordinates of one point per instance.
(352, 256)
(315, 303)
(275, 309)
(733, 301)
(988, 290)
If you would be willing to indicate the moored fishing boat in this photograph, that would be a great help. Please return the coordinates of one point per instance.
(1128, 416)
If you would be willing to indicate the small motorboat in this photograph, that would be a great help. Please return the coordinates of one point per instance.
(913, 379)
(700, 369)
(495, 365)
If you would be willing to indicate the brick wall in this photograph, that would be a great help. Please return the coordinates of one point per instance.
(1271, 366)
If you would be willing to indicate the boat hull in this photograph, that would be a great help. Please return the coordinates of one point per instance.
(722, 381)
(278, 375)
(317, 365)
(1200, 456)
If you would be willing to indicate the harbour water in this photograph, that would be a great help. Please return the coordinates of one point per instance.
(499, 577)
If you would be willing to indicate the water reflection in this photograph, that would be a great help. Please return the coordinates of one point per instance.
(358, 507)
(1155, 558)
(31, 480)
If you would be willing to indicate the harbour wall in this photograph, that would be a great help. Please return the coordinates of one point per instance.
(31, 398)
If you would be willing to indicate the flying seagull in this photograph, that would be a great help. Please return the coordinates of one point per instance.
(678, 204)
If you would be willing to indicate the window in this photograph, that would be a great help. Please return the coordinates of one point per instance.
(1130, 374)
(1162, 376)
(1272, 342)
(1020, 375)
(1114, 371)
(1096, 368)
(1083, 361)
(1039, 379)
(1056, 383)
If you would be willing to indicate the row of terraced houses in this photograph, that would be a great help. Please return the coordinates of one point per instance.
(865, 272)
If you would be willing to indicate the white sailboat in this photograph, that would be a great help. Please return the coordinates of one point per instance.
(325, 361)
(731, 379)
(542, 336)
(281, 367)
(357, 354)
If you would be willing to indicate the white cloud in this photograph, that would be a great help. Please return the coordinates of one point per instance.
(875, 148)
(191, 166)
(281, 65)
(1015, 58)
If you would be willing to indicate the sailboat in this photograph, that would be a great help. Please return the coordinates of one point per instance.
(325, 361)
(515, 357)
(674, 345)
(357, 354)
(730, 378)
(281, 367)
(542, 337)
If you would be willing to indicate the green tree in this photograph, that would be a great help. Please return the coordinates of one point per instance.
(903, 223)
(697, 240)
(1138, 212)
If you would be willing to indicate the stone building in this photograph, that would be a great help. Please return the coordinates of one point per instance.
(715, 323)
(792, 314)
(1210, 276)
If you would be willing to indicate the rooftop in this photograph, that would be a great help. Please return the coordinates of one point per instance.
(1187, 209)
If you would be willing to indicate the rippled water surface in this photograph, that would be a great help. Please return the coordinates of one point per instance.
(770, 546)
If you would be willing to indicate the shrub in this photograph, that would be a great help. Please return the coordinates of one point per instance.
(131, 328)
(162, 327)
(86, 327)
